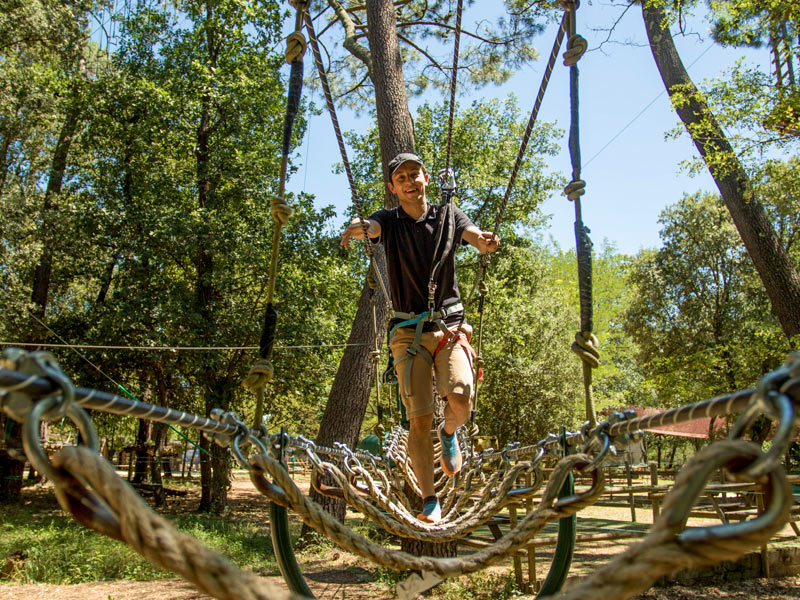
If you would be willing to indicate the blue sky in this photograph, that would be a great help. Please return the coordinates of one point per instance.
(632, 171)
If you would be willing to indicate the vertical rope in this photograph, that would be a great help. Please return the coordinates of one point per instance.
(263, 370)
(585, 344)
(312, 37)
(459, 10)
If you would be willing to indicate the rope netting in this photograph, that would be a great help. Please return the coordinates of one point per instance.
(34, 389)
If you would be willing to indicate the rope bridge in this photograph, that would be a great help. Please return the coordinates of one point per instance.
(35, 389)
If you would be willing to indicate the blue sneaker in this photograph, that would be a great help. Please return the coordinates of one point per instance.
(451, 453)
(431, 511)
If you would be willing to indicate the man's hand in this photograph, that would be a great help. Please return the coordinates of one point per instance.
(487, 242)
(356, 230)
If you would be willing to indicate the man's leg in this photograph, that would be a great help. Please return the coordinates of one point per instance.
(454, 379)
(456, 412)
(420, 450)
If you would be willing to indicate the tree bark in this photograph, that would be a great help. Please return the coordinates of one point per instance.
(143, 436)
(771, 261)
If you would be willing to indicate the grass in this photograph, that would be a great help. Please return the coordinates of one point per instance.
(46, 546)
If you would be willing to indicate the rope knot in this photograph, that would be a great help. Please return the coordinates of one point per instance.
(295, 47)
(576, 48)
(279, 210)
(259, 376)
(585, 346)
(575, 189)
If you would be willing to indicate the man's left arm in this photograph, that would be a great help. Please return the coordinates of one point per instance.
(484, 241)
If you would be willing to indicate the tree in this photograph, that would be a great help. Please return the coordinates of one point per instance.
(694, 315)
(396, 44)
(48, 40)
(756, 24)
(772, 263)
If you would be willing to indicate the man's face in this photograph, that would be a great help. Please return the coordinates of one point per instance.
(409, 182)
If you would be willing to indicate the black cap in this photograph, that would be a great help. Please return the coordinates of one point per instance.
(401, 158)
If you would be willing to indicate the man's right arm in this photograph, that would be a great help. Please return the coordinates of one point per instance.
(355, 230)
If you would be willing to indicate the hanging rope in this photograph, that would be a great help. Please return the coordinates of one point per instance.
(263, 370)
(585, 344)
(459, 10)
(485, 258)
(368, 246)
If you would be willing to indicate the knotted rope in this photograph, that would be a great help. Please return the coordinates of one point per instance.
(263, 371)
(109, 505)
(585, 345)
(666, 550)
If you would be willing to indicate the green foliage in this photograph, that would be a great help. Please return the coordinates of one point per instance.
(533, 381)
(56, 551)
(699, 316)
(491, 50)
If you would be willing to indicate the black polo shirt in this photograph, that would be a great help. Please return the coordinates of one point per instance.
(410, 247)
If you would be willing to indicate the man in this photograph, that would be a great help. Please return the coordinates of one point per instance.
(423, 334)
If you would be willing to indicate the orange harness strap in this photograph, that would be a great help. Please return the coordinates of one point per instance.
(460, 338)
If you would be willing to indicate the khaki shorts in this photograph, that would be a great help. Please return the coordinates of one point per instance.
(453, 368)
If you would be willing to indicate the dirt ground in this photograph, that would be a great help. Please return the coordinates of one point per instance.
(338, 574)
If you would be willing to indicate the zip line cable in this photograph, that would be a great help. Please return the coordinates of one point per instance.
(171, 348)
(641, 112)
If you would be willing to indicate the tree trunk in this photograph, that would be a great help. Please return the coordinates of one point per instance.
(770, 259)
(159, 496)
(205, 475)
(349, 395)
(42, 271)
(216, 470)
(12, 460)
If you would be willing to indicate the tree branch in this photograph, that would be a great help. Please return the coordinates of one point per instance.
(421, 51)
(351, 45)
(463, 31)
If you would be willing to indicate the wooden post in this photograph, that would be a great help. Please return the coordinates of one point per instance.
(512, 522)
(532, 583)
(130, 466)
(631, 499)
(183, 458)
(764, 551)
(654, 483)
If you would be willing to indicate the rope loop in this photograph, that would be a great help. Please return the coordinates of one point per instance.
(279, 210)
(32, 443)
(576, 48)
(696, 474)
(575, 189)
(772, 399)
(260, 374)
(585, 346)
(295, 47)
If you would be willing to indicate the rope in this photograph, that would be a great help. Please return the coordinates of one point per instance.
(343, 151)
(170, 348)
(112, 507)
(549, 510)
(585, 345)
(263, 371)
(484, 260)
(666, 550)
(453, 79)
